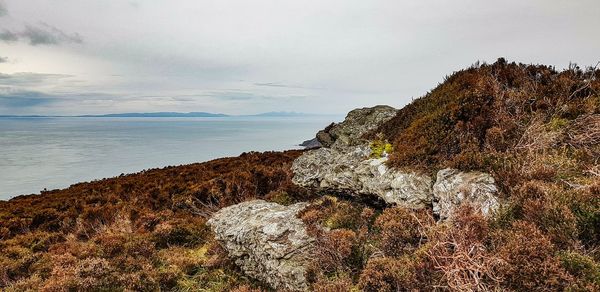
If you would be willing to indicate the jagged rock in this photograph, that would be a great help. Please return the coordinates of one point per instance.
(357, 123)
(267, 241)
(344, 165)
(325, 138)
(311, 144)
(452, 188)
(350, 170)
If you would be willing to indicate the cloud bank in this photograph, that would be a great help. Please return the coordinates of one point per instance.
(243, 56)
(3, 10)
(43, 34)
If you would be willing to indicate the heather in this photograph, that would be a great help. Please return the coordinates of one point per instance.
(138, 232)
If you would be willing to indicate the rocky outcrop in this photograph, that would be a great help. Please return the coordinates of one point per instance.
(358, 122)
(266, 241)
(350, 171)
(344, 164)
(453, 188)
(311, 144)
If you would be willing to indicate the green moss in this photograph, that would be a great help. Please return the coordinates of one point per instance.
(581, 266)
(282, 198)
(557, 123)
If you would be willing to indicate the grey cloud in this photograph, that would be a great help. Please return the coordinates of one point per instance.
(3, 59)
(30, 78)
(22, 98)
(49, 35)
(8, 36)
(262, 53)
(277, 84)
(3, 10)
(19, 98)
(43, 34)
(247, 96)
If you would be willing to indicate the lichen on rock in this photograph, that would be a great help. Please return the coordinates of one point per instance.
(352, 172)
(453, 188)
(347, 165)
(357, 123)
(267, 241)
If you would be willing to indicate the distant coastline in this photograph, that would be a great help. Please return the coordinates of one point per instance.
(168, 115)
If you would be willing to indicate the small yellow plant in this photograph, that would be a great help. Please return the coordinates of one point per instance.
(380, 148)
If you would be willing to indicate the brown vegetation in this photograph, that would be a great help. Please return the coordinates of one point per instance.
(141, 232)
(537, 131)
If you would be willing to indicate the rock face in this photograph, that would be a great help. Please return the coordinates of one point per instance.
(267, 242)
(357, 123)
(452, 188)
(350, 170)
(344, 164)
(311, 144)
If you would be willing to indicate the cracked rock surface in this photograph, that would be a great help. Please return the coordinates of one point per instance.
(453, 188)
(352, 172)
(267, 241)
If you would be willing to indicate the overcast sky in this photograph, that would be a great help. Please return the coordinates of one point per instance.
(241, 56)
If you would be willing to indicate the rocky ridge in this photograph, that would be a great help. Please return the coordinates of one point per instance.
(350, 171)
(346, 165)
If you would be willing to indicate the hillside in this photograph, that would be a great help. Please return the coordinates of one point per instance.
(142, 231)
(529, 135)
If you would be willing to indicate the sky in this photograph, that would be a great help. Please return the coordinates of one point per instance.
(71, 57)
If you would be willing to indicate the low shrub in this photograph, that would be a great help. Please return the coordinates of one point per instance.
(530, 259)
(402, 230)
(389, 274)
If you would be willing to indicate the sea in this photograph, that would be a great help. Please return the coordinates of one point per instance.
(53, 153)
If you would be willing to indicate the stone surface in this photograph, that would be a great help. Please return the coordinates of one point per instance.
(453, 188)
(357, 123)
(350, 170)
(266, 241)
(311, 144)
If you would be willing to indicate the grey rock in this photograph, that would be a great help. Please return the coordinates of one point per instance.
(350, 170)
(311, 144)
(267, 241)
(357, 123)
(325, 138)
(453, 188)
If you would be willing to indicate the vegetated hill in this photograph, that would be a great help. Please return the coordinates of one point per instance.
(142, 231)
(535, 129)
(490, 111)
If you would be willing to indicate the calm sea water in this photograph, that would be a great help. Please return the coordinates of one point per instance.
(38, 153)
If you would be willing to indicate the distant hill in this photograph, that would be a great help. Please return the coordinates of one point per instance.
(160, 115)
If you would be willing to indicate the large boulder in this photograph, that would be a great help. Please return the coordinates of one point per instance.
(453, 188)
(267, 241)
(357, 123)
(351, 171)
